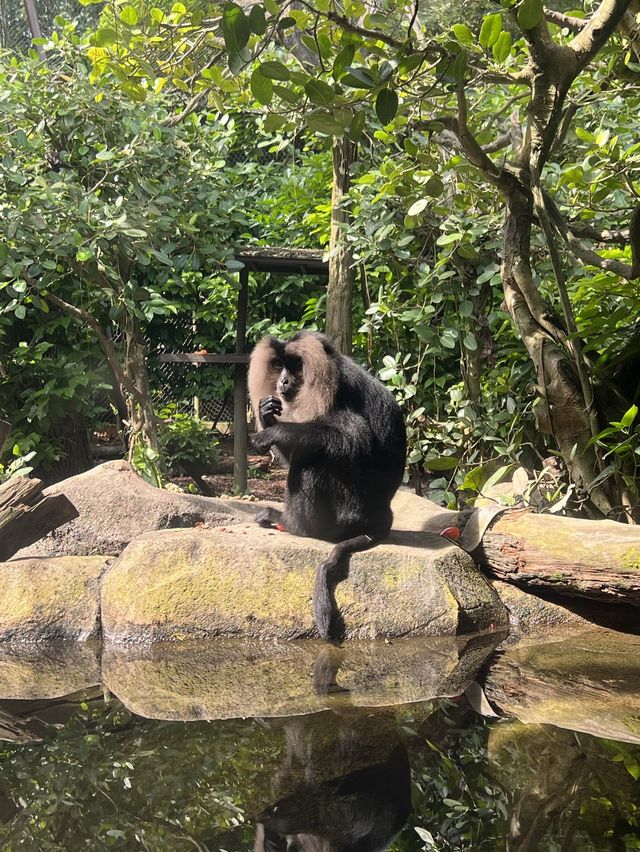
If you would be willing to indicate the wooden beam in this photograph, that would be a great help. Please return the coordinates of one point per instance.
(26, 516)
(209, 358)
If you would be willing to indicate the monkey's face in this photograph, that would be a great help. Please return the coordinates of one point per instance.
(288, 372)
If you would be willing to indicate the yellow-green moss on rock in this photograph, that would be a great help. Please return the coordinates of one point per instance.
(247, 581)
(50, 598)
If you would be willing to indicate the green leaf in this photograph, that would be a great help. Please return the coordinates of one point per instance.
(343, 60)
(530, 13)
(235, 28)
(447, 239)
(257, 20)
(358, 78)
(502, 47)
(261, 87)
(470, 342)
(458, 68)
(629, 416)
(490, 30)
(463, 34)
(386, 105)
(83, 254)
(441, 463)
(273, 122)
(104, 37)
(319, 92)
(418, 206)
(20, 311)
(323, 123)
(129, 15)
(274, 70)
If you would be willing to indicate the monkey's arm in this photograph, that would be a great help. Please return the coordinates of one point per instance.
(340, 436)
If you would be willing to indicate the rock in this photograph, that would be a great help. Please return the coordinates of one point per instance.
(47, 669)
(232, 678)
(247, 581)
(530, 615)
(45, 599)
(115, 505)
(585, 683)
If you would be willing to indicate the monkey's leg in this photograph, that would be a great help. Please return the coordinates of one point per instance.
(268, 517)
(334, 570)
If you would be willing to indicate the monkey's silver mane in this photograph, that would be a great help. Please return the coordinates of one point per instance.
(319, 372)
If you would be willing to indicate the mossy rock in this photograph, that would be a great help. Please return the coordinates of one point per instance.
(48, 599)
(247, 581)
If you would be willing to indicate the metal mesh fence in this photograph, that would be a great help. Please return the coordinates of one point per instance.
(14, 26)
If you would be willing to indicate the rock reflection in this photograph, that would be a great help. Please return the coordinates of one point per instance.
(227, 678)
(344, 784)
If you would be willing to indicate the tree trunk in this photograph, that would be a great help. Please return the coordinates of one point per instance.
(72, 434)
(340, 289)
(142, 419)
(569, 556)
(561, 411)
(5, 428)
(25, 516)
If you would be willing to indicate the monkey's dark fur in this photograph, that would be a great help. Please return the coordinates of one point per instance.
(343, 437)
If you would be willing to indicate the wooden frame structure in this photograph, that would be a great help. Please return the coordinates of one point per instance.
(255, 259)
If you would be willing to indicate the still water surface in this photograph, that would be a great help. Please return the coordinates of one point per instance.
(376, 746)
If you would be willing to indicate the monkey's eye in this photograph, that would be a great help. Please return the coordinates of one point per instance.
(277, 364)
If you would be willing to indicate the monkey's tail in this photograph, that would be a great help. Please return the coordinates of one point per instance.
(327, 616)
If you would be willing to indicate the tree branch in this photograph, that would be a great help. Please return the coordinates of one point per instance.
(598, 29)
(574, 25)
(107, 345)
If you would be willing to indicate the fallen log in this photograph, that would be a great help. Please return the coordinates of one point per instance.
(26, 516)
(569, 556)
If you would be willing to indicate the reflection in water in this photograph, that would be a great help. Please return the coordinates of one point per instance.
(359, 810)
(559, 770)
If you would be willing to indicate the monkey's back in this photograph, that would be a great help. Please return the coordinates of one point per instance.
(347, 490)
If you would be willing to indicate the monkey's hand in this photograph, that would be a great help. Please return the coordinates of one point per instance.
(269, 408)
(262, 441)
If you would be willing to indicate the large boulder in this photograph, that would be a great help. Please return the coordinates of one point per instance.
(115, 505)
(43, 599)
(247, 581)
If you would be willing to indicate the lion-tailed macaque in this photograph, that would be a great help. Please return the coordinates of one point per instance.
(342, 435)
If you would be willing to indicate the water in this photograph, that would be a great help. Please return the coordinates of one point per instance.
(373, 746)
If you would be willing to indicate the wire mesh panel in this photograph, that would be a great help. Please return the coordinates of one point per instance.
(15, 32)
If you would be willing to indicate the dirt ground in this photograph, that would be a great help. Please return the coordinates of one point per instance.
(266, 481)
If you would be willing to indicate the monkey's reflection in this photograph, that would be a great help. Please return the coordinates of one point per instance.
(344, 786)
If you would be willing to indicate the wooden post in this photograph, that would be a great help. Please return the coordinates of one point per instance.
(240, 430)
(34, 24)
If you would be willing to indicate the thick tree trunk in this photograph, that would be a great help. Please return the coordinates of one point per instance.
(25, 516)
(562, 411)
(340, 290)
(569, 556)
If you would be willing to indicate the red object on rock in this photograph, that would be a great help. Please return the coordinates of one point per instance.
(451, 532)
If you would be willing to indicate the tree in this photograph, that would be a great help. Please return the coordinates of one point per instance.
(382, 69)
(103, 201)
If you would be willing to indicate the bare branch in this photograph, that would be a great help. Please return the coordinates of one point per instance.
(574, 25)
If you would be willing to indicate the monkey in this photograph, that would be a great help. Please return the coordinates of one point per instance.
(342, 435)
